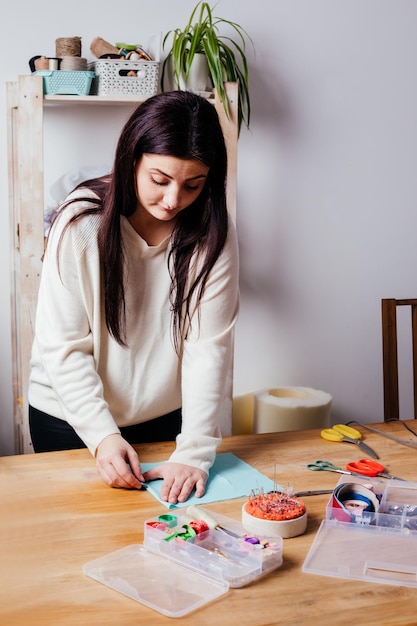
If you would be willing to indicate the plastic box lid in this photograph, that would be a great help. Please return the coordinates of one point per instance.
(159, 583)
(175, 576)
(377, 547)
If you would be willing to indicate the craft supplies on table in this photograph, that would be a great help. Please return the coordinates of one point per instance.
(312, 492)
(227, 550)
(322, 465)
(363, 467)
(275, 514)
(229, 478)
(209, 522)
(370, 468)
(183, 563)
(369, 534)
(343, 433)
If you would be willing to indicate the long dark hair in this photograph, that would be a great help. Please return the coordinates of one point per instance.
(186, 126)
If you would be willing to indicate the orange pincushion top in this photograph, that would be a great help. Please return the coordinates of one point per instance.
(275, 507)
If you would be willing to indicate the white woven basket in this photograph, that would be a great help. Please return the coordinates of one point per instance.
(128, 78)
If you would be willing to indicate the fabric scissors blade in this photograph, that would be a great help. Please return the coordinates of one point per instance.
(341, 432)
(315, 492)
(370, 468)
(323, 465)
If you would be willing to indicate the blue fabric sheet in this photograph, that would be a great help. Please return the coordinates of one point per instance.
(229, 478)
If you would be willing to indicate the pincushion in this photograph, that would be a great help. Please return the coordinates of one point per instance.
(274, 514)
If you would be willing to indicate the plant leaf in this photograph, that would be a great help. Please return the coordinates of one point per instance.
(225, 55)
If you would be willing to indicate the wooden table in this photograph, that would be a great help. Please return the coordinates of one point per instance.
(56, 514)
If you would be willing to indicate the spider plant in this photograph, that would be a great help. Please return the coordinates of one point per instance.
(226, 57)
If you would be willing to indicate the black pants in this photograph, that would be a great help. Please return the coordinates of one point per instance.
(50, 433)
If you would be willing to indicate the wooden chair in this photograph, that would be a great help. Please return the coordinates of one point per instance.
(390, 355)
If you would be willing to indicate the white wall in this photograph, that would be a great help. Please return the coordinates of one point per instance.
(327, 187)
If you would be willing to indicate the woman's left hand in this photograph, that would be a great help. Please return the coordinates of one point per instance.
(179, 481)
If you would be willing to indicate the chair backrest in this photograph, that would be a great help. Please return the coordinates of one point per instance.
(390, 355)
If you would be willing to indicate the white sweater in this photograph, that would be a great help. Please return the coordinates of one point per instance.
(79, 373)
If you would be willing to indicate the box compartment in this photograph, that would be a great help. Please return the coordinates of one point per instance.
(378, 546)
(176, 576)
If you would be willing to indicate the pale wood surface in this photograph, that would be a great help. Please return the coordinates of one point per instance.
(12, 165)
(229, 126)
(57, 514)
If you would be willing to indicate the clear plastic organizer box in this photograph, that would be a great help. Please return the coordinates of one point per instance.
(377, 546)
(115, 77)
(175, 576)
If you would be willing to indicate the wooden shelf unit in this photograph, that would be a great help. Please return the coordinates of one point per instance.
(25, 110)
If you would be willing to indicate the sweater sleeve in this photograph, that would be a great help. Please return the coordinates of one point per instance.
(68, 308)
(207, 363)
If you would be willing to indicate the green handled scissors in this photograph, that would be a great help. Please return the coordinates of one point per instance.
(341, 432)
(323, 465)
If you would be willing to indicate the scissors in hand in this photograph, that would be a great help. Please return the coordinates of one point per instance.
(369, 468)
(340, 432)
(322, 465)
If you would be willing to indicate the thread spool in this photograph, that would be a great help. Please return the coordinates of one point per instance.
(73, 64)
(41, 63)
(53, 64)
(68, 47)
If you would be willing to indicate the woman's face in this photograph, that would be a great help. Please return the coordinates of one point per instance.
(166, 185)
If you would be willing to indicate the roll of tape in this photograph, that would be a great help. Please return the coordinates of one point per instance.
(351, 501)
(290, 408)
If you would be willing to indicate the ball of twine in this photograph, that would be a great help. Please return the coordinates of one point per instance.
(68, 47)
(100, 47)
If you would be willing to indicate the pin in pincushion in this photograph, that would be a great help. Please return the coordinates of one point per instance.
(274, 514)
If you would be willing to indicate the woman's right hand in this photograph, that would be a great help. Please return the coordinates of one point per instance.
(118, 463)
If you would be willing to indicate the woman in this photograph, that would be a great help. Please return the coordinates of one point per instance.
(138, 301)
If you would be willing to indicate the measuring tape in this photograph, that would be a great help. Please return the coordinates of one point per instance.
(351, 500)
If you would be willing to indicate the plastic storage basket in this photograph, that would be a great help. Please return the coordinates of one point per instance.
(128, 78)
(66, 83)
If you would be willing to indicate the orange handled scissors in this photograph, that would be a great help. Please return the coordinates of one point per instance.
(369, 468)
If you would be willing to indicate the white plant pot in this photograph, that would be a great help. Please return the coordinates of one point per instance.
(198, 78)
